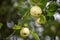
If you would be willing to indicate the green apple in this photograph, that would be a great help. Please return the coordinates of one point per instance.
(36, 11)
(24, 32)
(41, 20)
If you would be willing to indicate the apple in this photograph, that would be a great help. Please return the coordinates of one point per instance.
(35, 11)
(41, 20)
(24, 32)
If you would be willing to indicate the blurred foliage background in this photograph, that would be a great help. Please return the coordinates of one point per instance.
(15, 14)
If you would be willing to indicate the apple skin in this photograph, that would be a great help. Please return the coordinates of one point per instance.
(24, 32)
(35, 11)
(39, 21)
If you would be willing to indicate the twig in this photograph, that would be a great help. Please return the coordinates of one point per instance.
(11, 34)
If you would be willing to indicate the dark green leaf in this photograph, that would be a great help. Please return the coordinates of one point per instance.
(41, 3)
(52, 9)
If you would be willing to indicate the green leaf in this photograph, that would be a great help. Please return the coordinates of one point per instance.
(50, 13)
(26, 16)
(41, 3)
(35, 35)
(42, 18)
(52, 9)
(1, 25)
(17, 27)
